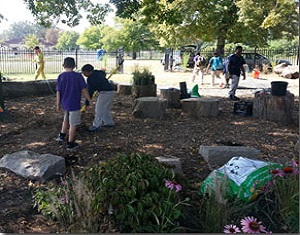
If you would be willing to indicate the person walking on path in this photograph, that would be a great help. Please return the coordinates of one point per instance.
(199, 66)
(40, 63)
(236, 64)
(216, 67)
(70, 85)
(97, 82)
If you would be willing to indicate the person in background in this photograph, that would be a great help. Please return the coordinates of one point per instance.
(97, 82)
(70, 85)
(236, 64)
(216, 66)
(226, 72)
(40, 63)
(199, 65)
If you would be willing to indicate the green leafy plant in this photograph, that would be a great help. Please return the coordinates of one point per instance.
(142, 78)
(70, 203)
(127, 192)
(132, 186)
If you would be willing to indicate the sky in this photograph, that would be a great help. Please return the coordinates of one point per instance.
(15, 11)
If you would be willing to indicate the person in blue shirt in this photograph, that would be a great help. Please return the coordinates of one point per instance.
(216, 66)
(97, 82)
(236, 64)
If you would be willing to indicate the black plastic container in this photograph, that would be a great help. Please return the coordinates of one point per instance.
(278, 88)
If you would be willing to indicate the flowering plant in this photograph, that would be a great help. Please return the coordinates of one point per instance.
(249, 225)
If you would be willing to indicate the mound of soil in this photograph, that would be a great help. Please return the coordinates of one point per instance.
(36, 125)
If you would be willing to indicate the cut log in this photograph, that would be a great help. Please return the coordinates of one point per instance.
(124, 89)
(143, 91)
(200, 107)
(274, 108)
(172, 96)
(149, 107)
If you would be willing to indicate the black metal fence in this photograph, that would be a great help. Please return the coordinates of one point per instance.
(21, 61)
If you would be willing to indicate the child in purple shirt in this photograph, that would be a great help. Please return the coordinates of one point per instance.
(69, 87)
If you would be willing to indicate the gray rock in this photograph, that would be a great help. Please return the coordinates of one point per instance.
(219, 155)
(29, 164)
(172, 161)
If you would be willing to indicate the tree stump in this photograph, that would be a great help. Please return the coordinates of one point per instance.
(124, 89)
(274, 108)
(172, 96)
(149, 107)
(200, 107)
(143, 91)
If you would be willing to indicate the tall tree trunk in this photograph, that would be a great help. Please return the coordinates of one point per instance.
(134, 55)
(221, 43)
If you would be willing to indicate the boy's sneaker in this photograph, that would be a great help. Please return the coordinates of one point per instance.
(72, 146)
(60, 137)
(94, 129)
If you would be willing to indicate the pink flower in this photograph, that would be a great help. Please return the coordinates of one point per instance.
(172, 184)
(251, 225)
(231, 228)
(278, 172)
(295, 164)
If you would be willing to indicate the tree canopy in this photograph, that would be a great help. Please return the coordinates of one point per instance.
(175, 22)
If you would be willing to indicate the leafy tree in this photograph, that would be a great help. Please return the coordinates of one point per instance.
(31, 41)
(49, 12)
(19, 30)
(51, 36)
(132, 35)
(67, 40)
(90, 38)
(241, 21)
(110, 39)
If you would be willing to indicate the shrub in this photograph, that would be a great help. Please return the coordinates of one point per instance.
(142, 78)
(127, 191)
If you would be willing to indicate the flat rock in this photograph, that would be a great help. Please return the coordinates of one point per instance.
(171, 161)
(29, 164)
(219, 155)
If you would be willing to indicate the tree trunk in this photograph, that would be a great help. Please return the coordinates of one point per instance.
(134, 55)
(221, 43)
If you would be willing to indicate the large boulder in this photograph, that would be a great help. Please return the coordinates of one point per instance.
(219, 155)
(29, 164)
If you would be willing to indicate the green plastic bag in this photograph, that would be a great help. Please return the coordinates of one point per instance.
(240, 177)
(195, 92)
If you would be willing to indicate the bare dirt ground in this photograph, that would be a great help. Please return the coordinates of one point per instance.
(36, 124)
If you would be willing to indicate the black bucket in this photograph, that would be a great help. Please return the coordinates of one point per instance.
(278, 88)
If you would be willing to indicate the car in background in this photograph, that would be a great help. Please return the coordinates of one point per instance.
(255, 59)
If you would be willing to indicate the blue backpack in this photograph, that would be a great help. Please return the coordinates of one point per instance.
(217, 64)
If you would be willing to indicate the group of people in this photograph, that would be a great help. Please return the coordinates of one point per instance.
(71, 85)
(69, 88)
(232, 68)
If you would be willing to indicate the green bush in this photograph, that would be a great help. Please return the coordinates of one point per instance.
(128, 192)
(142, 78)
